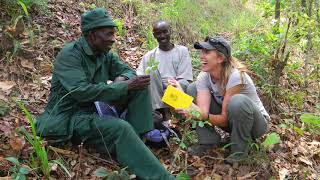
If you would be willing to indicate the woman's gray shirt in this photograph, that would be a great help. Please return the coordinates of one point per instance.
(205, 83)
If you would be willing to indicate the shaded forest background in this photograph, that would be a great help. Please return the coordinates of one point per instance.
(279, 41)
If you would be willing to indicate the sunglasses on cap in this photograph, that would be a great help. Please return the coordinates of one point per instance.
(219, 44)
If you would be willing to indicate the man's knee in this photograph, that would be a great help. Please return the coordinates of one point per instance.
(143, 92)
(192, 90)
(121, 125)
(114, 127)
(184, 84)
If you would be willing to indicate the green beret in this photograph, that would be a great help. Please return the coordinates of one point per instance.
(98, 17)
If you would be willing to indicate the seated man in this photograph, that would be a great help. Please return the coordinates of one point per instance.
(174, 62)
(80, 73)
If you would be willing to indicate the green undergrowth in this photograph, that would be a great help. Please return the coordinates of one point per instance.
(191, 20)
(14, 8)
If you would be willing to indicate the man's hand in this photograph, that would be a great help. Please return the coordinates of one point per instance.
(173, 82)
(138, 83)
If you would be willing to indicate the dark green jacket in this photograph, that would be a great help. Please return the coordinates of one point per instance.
(79, 78)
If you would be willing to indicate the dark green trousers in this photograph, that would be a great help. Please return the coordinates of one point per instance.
(245, 122)
(121, 137)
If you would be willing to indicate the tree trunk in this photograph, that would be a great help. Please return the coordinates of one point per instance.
(277, 10)
(317, 12)
(280, 60)
(308, 48)
(277, 17)
(304, 5)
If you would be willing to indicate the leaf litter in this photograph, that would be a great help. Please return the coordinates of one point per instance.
(28, 78)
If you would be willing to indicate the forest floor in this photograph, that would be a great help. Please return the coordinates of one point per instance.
(27, 76)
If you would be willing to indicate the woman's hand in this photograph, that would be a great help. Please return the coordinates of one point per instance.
(183, 112)
(193, 112)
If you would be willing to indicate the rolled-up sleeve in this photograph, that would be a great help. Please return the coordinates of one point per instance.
(236, 78)
(142, 66)
(202, 82)
(185, 66)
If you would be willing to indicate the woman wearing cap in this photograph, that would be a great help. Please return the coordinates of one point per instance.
(226, 97)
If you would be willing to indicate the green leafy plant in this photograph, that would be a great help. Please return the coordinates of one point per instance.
(150, 42)
(188, 135)
(152, 65)
(119, 23)
(39, 156)
(114, 175)
(271, 140)
(194, 120)
(4, 108)
(183, 176)
(87, 6)
(13, 8)
(312, 122)
(101, 172)
(196, 63)
(24, 8)
(19, 171)
(40, 152)
(258, 152)
(63, 167)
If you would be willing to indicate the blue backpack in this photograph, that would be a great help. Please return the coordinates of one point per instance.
(158, 137)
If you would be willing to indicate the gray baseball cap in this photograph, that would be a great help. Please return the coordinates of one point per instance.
(215, 43)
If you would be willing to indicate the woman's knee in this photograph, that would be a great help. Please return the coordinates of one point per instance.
(238, 102)
(240, 109)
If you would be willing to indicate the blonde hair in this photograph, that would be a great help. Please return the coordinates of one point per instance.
(227, 66)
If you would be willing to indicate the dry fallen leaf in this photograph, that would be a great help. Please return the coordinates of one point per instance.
(73, 162)
(305, 160)
(54, 167)
(6, 128)
(27, 64)
(87, 171)
(2, 97)
(16, 142)
(64, 152)
(6, 178)
(46, 80)
(6, 86)
(216, 176)
(250, 175)
(283, 173)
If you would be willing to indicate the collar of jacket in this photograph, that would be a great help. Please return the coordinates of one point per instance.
(87, 49)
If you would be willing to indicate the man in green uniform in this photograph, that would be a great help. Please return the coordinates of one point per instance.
(80, 75)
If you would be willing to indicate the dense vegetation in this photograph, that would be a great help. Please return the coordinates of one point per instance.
(278, 40)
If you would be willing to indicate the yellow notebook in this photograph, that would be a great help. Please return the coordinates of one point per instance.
(176, 98)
